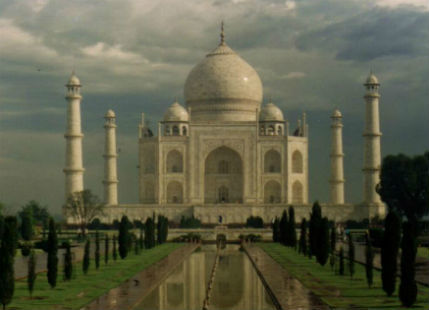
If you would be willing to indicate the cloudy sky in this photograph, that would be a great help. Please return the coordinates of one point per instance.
(134, 55)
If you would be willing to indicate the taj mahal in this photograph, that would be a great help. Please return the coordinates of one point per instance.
(225, 154)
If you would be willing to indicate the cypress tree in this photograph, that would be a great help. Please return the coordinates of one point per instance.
(68, 264)
(323, 251)
(106, 249)
(276, 230)
(389, 252)
(52, 248)
(303, 237)
(408, 286)
(341, 268)
(333, 246)
(141, 240)
(314, 227)
(283, 228)
(149, 235)
(31, 275)
(291, 227)
(159, 229)
(124, 237)
(8, 232)
(351, 256)
(369, 258)
(86, 256)
(114, 252)
(136, 246)
(26, 225)
(97, 250)
(165, 230)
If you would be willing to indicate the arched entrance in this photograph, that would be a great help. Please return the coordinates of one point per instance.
(223, 176)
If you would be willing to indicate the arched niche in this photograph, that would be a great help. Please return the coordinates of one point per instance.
(272, 192)
(174, 162)
(297, 162)
(174, 192)
(272, 162)
(223, 169)
(297, 192)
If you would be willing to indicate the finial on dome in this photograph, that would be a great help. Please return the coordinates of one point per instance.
(222, 33)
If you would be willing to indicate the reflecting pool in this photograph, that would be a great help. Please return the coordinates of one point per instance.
(236, 284)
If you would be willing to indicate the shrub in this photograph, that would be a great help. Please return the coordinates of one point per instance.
(97, 250)
(351, 256)
(323, 246)
(314, 228)
(124, 238)
(369, 258)
(303, 237)
(95, 224)
(114, 252)
(291, 228)
(190, 222)
(255, 222)
(341, 258)
(68, 264)
(106, 249)
(276, 229)
(31, 275)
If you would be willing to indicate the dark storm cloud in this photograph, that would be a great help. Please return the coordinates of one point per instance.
(373, 34)
(133, 56)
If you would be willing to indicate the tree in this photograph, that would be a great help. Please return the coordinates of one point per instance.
(7, 252)
(114, 252)
(341, 257)
(276, 229)
(124, 237)
(291, 228)
(314, 228)
(26, 227)
(106, 249)
(83, 207)
(86, 257)
(408, 286)
(68, 264)
(162, 227)
(389, 251)
(39, 214)
(303, 237)
(52, 248)
(323, 246)
(149, 233)
(141, 240)
(369, 258)
(404, 185)
(283, 228)
(351, 256)
(31, 273)
(136, 246)
(97, 250)
(333, 246)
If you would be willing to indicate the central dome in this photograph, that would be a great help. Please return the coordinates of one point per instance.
(223, 87)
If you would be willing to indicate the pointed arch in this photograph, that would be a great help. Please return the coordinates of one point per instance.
(272, 162)
(272, 192)
(297, 193)
(174, 192)
(174, 162)
(297, 162)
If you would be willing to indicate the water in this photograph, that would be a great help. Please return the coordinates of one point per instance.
(236, 284)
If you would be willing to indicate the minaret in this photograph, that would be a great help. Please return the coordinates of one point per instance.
(74, 166)
(337, 170)
(110, 155)
(372, 134)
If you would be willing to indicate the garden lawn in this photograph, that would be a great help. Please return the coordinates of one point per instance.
(340, 291)
(82, 289)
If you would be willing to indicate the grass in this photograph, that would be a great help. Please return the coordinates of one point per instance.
(82, 289)
(340, 291)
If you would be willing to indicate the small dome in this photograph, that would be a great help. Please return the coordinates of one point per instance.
(270, 112)
(110, 114)
(337, 113)
(176, 113)
(371, 79)
(73, 80)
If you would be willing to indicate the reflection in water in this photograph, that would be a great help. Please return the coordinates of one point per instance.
(236, 284)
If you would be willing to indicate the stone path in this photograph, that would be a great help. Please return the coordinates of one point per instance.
(134, 290)
(288, 291)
